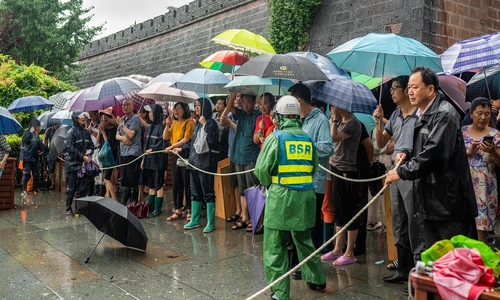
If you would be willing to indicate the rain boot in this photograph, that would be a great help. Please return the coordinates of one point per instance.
(158, 205)
(210, 218)
(125, 195)
(195, 216)
(151, 202)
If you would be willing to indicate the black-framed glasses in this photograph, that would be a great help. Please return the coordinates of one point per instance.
(393, 88)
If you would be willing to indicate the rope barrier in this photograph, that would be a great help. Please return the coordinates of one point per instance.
(323, 246)
(352, 179)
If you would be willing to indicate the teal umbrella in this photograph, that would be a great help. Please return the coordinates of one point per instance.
(384, 55)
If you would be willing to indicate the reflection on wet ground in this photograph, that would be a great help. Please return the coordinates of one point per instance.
(42, 253)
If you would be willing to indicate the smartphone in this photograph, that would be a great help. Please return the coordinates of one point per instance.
(488, 139)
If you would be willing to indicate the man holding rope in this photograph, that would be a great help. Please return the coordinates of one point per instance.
(287, 163)
(443, 196)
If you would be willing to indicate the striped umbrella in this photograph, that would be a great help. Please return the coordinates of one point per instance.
(60, 99)
(477, 52)
(344, 93)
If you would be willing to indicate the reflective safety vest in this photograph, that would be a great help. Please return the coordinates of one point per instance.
(296, 157)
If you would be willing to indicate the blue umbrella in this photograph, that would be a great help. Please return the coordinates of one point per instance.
(486, 80)
(344, 93)
(8, 124)
(384, 55)
(325, 64)
(477, 52)
(29, 103)
(203, 81)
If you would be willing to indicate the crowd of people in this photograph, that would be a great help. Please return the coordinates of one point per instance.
(446, 184)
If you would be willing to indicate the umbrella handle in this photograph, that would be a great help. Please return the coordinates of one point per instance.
(109, 225)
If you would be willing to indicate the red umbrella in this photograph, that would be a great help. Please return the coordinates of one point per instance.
(225, 61)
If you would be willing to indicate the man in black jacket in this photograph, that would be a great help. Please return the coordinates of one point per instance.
(30, 146)
(443, 196)
(79, 147)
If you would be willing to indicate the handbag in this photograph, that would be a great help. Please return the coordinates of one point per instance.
(105, 156)
(180, 161)
(140, 210)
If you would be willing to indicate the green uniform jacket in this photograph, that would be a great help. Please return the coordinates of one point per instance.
(285, 209)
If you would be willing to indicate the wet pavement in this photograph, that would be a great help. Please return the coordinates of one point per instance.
(42, 254)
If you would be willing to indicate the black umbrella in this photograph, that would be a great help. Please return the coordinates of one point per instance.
(113, 219)
(57, 142)
(46, 120)
(282, 66)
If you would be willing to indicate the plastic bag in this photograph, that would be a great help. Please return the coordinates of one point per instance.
(105, 156)
(201, 145)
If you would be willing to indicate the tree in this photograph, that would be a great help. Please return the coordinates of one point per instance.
(52, 32)
(289, 21)
(7, 26)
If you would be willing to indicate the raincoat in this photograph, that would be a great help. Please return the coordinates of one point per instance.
(154, 141)
(287, 210)
(31, 143)
(77, 143)
(439, 166)
(208, 160)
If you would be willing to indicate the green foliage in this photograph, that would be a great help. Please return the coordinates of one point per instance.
(21, 80)
(51, 32)
(288, 23)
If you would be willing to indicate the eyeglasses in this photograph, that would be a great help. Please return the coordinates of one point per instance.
(393, 88)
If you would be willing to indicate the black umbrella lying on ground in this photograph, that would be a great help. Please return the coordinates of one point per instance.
(113, 219)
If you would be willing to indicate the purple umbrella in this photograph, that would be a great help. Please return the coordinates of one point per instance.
(88, 170)
(78, 102)
(256, 199)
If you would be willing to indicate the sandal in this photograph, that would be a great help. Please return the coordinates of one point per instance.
(239, 225)
(175, 217)
(233, 218)
(188, 217)
(249, 228)
(393, 266)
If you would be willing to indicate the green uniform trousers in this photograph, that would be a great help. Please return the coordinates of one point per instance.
(276, 259)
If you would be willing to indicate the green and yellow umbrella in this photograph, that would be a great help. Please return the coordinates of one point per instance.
(244, 40)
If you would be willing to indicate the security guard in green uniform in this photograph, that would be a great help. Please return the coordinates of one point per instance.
(287, 163)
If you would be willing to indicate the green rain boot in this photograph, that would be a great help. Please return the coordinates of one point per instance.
(195, 216)
(151, 203)
(158, 205)
(210, 218)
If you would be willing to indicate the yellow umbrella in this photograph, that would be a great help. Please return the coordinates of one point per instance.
(241, 39)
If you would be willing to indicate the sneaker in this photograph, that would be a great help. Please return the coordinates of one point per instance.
(69, 212)
(24, 194)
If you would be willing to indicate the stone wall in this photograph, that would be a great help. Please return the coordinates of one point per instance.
(178, 40)
(450, 21)
(174, 42)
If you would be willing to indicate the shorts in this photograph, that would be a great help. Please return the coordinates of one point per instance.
(155, 178)
(233, 180)
(107, 174)
(246, 180)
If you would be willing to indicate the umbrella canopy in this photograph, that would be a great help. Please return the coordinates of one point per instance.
(113, 87)
(166, 77)
(46, 120)
(256, 199)
(225, 61)
(384, 55)
(477, 52)
(8, 124)
(344, 93)
(63, 116)
(486, 80)
(454, 89)
(57, 142)
(325, 64)
(242, 39)
(282, 66)
(203, 81)
(257, 86)
(114, 219)
(29, 103)
(162, 91)
(60, 99)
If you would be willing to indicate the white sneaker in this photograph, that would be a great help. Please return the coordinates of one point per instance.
(374, 226)
(24, 194)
